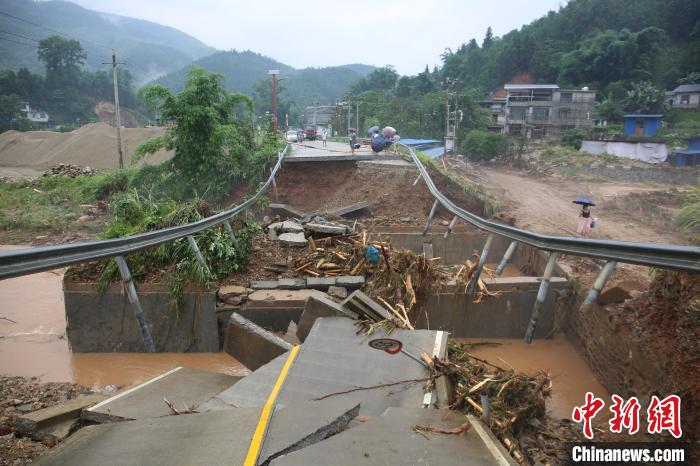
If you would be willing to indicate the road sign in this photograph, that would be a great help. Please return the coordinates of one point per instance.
(389, 345)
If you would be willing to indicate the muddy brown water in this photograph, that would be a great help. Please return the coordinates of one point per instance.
(36, 346)
(571, 377)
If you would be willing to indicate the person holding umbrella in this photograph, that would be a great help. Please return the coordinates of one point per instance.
(584, 218)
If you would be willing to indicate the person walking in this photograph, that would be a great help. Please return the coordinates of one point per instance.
(584, 221)
(353, 140)
(324, 135)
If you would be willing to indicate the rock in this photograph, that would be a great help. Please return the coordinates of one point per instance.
(84, 218)
(234, 300)
(338, 292)
(293, 239)
(444, 223)
(264, 285)
(405, 219)
(280, 298)
(612, 295)
(320, 283)
(233, 290)
(272, 235)
(288, 226)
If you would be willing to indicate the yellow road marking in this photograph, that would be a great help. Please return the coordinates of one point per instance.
(261, 429)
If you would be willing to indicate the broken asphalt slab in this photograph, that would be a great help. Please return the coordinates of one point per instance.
(181, 386)
(316, 307)
(390, 439)
(54, 420)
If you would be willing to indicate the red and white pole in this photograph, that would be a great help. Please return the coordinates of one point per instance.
(274, 105)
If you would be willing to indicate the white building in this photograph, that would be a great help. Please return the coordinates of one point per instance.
(34, 115)
(684, 96)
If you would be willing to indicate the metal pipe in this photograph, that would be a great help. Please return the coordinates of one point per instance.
(506, 257)
(231, 233)
(485, 408)
(430, 217)
(134, 300)
(541, 296)
(600, 282)
(451, 226)
(197, 252)
(480, 267)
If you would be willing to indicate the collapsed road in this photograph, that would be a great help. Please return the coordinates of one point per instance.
(325, 390)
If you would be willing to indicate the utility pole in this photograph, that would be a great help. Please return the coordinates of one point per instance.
(116, 106)
(274, 74)
(357, 117)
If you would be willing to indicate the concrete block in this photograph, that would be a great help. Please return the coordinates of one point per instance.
(349, 209)
(105, 322)
(252, 345)
(276, 319)
(264, 285)
(338, 292)
(288, 226)
(351, 282)
(29, 424)
(296, 240)
(281, 298)
(327, 228)
(292, 283)
(320, 283)
(319, 307)
(363, 305)
(291, 335)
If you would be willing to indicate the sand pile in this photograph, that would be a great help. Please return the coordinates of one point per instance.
(93, 145)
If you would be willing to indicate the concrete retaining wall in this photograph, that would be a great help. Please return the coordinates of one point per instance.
(99, 322)
(504, 316)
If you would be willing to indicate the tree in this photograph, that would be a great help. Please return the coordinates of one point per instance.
(690, 78)
(210, 145)
(644, 97)
(488, 39)
(63, 59)
(11, 116)
(381, 79)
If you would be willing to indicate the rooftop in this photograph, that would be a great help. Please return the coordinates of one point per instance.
(642, 115)
(687, 88)
(530, 86)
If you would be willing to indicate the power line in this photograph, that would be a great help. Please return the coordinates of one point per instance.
(54, 30)
(20, 43)
(20, 35)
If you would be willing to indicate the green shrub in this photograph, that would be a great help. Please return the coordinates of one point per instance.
(574, 137)
(484, 145)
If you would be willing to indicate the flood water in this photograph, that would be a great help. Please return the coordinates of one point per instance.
(36, 346)
(571, 377)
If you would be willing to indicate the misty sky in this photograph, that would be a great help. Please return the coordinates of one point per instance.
(405, 33)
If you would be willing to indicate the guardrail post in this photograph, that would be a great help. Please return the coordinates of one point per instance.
(231, 233)
(482, 261)
(603, 277)
(197, 252)
(274, 187)
(449, 228)
(430, 217)
(134, 300)
(541, 296)
(506, 257)
(417, 179)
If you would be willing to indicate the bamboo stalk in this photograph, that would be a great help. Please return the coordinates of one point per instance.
(357, 267)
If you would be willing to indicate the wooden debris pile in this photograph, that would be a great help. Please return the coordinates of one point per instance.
(466, 273)
(516, 401)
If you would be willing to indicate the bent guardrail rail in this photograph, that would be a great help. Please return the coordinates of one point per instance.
(27, 261)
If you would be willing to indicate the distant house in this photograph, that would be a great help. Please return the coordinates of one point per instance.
(642, 124)
(495, 103)
(543, 111)
(684, 96)
(35, 115)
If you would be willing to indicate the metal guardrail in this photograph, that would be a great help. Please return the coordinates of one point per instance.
(649, 254)
(27, 261)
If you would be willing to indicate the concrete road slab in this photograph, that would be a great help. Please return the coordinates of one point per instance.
(334, 359)
(214, 438)
(180, 386)
(390, 439)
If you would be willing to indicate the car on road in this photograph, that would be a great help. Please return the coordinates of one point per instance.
(310, 134)
(292, 136)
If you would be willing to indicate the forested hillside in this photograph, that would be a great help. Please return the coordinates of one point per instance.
(247, 72)
(149, 49)
(588, 42)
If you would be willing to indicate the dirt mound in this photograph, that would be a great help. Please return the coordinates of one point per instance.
(107, 113)
(93, 145)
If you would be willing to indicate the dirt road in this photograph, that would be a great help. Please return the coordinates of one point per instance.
(628, 212)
